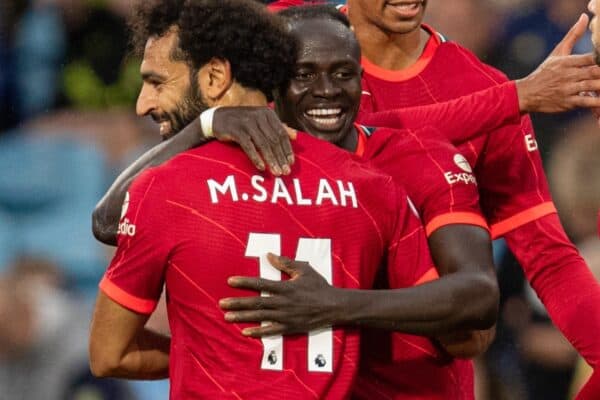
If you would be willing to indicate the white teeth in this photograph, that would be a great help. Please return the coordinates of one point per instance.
(326, 121)
(406, 6)
(324, 111)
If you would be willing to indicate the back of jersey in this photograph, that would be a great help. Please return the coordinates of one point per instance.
(213, 216)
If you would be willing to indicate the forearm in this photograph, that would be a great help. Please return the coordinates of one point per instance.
(105, 219)
(562, 281)
(488, 110)
(147, 357)
(437, 307)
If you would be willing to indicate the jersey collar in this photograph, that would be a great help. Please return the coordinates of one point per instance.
(397, 76)
(362, 140)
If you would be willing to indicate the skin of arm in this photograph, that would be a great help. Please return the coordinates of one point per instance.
(464, 299)
(121, 347)
(106, 215)
(266, 136)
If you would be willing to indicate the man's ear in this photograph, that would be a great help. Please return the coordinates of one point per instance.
(214, 79)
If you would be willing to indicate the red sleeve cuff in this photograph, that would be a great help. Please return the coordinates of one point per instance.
(512, 102)
(139, 305)
(466, 218)
(524, 217)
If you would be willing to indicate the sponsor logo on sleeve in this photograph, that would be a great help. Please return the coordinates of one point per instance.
(530, 143)
(126, 228)
(125, 206)
(465, 177)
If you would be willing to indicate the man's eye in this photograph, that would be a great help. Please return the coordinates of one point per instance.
(343, 75)
(304, 76)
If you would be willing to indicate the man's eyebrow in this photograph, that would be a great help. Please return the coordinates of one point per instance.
(151, 75)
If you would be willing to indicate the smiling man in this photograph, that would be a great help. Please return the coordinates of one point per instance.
(325, 116)
(208, 205)
(408, 64)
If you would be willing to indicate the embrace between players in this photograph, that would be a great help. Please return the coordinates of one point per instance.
(390, 222)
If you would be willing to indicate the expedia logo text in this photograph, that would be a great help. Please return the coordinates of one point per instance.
(126, 228)
(463, 177)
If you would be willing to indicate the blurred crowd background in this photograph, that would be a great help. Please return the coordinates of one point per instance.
(67, 127)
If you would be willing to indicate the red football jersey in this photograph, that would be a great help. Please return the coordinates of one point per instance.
(206, 215)
(437, 178)
(513, 189)
(443, 188)
(507, 163)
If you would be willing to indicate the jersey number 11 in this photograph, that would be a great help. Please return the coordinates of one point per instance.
(317, 252)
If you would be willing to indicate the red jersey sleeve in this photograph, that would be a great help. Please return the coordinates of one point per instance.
(135, 276)
(562, 281)
(488, 110)
(513, 186)
(409, 261)
(438, 179)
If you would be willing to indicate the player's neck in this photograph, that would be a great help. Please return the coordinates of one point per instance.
(388, 50)
(350, 141)
(237, 96)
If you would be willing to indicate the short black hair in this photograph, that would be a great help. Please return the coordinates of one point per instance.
(261, 51)
(316, 11)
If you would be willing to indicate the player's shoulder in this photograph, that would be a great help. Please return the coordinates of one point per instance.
(452, 53)
(408, 139)
(322, 155)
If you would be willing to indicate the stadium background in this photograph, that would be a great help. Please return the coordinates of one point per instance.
(67, 127)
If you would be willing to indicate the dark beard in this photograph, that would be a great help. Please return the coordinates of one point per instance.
(189, 108)
(597, 56)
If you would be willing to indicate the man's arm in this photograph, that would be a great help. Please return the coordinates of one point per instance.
(555, 86)
(265, 136)
(307, 302)
(121, 347)
(562, 281)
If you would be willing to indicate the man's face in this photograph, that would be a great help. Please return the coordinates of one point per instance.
(595, 28)
(391, 16)
(169, 93)
(324, 95)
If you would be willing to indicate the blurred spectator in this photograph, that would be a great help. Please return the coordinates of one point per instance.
(97, 74)
(528, 37)
(478, 35)
(43, 333)
(46, 199)
(590, 250)
(525, 41)
(574, 175)
(39, 48)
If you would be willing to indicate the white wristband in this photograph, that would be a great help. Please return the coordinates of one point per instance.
(206, 121)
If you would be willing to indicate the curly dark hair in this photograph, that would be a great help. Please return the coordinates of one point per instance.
(314, 11)
(260, 50)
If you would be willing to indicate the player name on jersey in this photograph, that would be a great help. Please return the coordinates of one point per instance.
(327, 192)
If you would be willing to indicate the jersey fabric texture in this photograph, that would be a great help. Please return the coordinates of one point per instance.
(443, 188)
(438, 179)
(207, 215)
(512, 185)
(513, 190)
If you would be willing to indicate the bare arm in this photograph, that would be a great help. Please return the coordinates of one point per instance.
(121, 347)
(307, 302)
(106, 215)
(256, 129)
